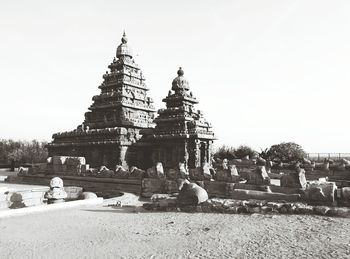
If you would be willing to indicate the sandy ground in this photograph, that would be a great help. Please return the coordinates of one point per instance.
(114, 232)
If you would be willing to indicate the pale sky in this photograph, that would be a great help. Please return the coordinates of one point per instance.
(264, 72)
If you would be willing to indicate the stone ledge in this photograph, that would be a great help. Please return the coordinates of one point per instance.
(51, 207)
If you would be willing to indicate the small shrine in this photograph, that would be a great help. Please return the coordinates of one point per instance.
(114, 120)
(181, 135)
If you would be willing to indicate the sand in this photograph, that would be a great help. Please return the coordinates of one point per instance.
(114, 232)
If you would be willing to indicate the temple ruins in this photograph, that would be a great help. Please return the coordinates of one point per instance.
(120, 127)
(114, 120)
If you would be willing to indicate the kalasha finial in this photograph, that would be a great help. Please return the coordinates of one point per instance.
(124, 38)
(180, 72)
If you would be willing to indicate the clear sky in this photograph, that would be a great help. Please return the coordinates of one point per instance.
(264, 72)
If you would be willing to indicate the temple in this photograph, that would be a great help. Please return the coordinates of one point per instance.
(181, 135)
(114, 120)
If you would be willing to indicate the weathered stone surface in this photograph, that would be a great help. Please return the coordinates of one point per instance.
(258, 195)
(172, 174)
(171, 186)
(58, 160)
(258, 176)
(88, 195)
(152, 185)
(121, 172)
(201, 173)
(105, 172)
(136, 173)
(75, 160)
(184, 174)
(192, 194)
(215, 188)
(230, 174)
(73, 192)
(297, 179)
(156, 171)
(320, 191)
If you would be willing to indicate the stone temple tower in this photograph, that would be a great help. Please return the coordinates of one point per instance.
(114, 120)
(181, 133)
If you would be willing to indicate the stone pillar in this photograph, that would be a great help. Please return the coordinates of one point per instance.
(197, 152)
(210, 147)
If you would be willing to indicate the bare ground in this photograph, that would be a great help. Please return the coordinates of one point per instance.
(113, 232)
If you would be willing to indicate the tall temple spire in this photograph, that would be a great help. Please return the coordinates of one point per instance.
(124, 49)
(124, 38)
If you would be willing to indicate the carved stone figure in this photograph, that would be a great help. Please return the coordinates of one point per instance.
(56, 193)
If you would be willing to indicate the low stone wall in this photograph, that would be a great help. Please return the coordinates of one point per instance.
(103, 187)
(32, 197)
(231, 206)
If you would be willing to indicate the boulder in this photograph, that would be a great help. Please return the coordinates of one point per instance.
(191, 194)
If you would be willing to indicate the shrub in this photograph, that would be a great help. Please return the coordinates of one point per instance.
(243, 151)
(231, 153)
(286, 152)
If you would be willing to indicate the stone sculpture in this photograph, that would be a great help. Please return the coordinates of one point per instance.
(56, 193)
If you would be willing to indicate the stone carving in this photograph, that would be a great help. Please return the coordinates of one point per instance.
(56, 193)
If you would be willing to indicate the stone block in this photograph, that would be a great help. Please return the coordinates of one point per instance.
(320, 192)
(121, 172)
(58, 160)
(259, 195)
(228, 175)
(156, 171)
(295, 180)
(73, 192)
(172, 174)
(215, 188)
(151, 185)
(105, 172)
(200, 173)
(85, 168)
(171, 186)
(75, 160)
(136, 173)
(258, 176)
